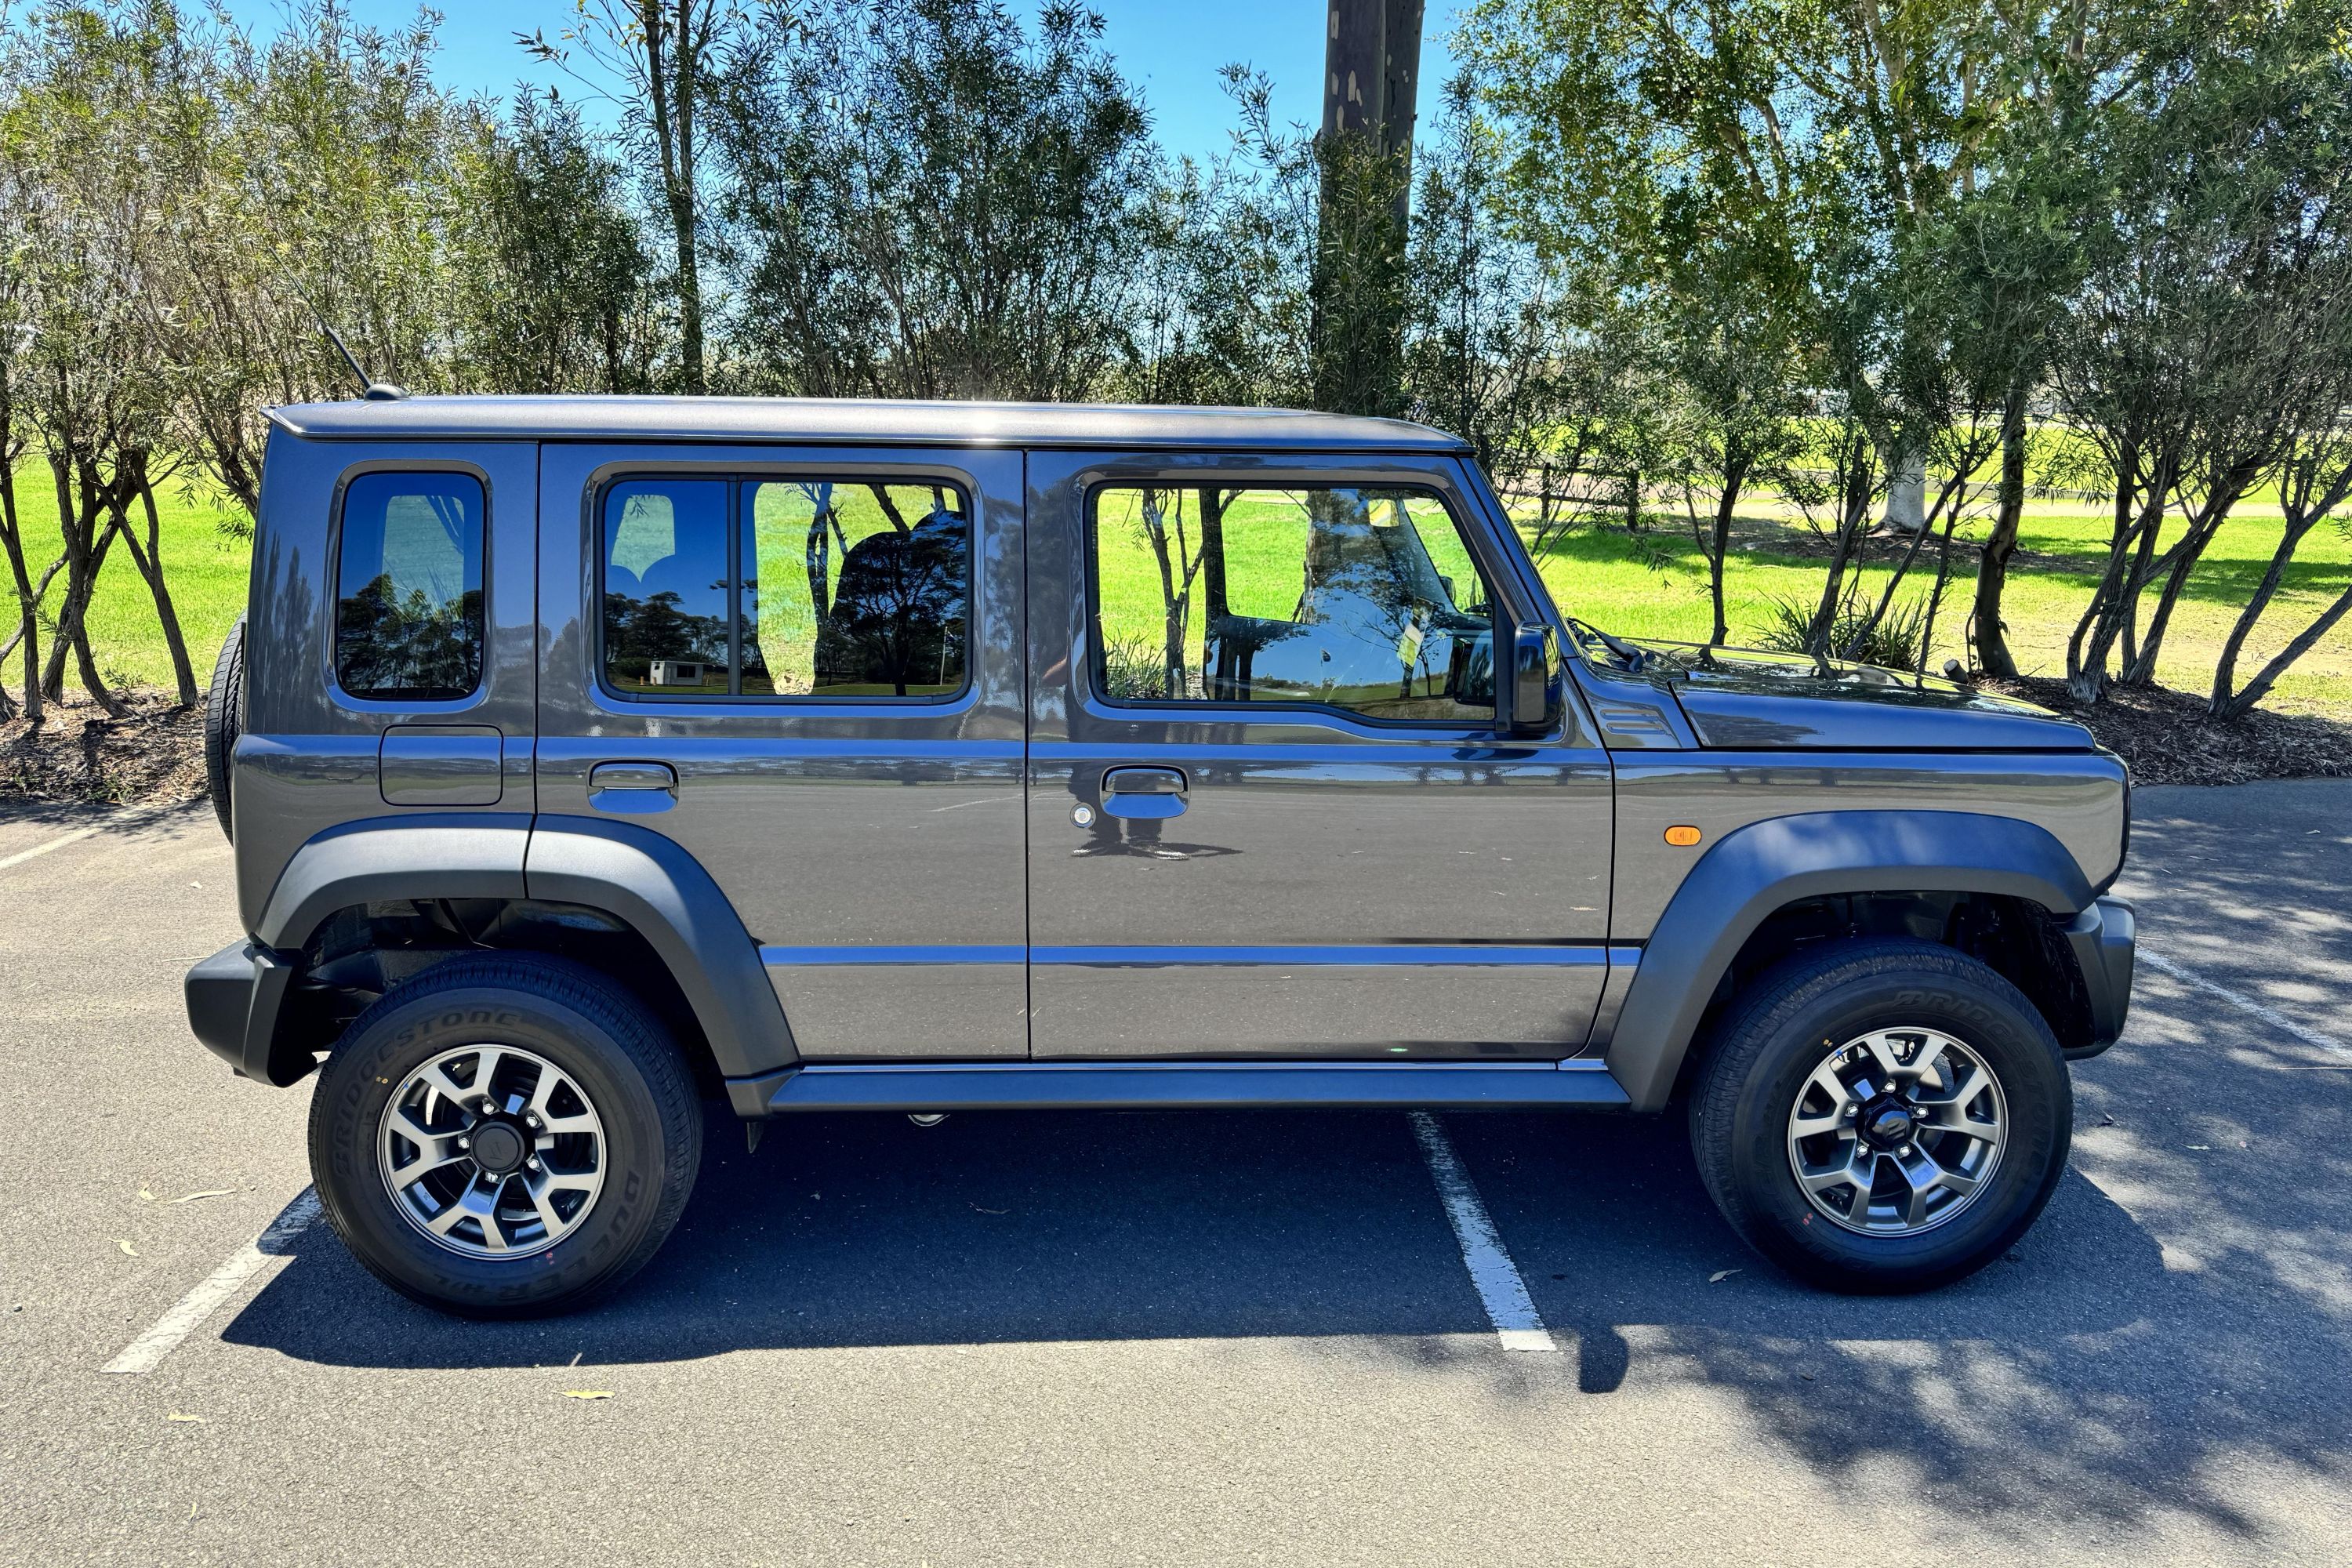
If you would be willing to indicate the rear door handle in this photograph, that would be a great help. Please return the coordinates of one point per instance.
(1144, 791)
(633, 789)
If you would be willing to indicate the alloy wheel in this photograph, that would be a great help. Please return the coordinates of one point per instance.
(1897, 1131)
(491, 1151)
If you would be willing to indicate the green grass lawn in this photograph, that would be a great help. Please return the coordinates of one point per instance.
(204, 566)
(1596, 574)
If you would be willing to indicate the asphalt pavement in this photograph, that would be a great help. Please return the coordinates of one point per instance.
(1189, 1339)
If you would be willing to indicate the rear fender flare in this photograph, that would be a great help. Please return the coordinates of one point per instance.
(1764, 866)
(646, 881)
(638, 877)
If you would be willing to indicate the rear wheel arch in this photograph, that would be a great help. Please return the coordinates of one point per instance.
(408, 894)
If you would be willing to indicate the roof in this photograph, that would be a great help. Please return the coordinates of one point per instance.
(818, 420)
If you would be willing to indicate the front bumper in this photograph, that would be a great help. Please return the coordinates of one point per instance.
(2101, 938)
(235, 999)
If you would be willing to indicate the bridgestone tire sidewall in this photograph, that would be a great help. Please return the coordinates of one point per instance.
(642, 1176)
(2015, 1042)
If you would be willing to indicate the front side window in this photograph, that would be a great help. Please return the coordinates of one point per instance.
(1364, 598)
(408, 586)
(833, 589)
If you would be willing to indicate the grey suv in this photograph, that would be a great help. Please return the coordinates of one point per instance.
(590, 759)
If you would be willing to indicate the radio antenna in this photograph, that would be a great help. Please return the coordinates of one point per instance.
(372, 390)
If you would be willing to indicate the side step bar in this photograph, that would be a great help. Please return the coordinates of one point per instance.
(1183, 1086)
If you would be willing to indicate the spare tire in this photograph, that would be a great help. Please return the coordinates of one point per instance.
(225, 720)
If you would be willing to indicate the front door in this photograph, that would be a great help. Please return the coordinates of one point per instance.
(1272, 809)
(803, 666)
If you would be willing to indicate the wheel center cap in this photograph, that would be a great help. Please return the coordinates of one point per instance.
(497, 1147)
(1888, 1123)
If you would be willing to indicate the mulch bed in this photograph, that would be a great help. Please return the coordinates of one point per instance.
(152, 755)
(2167, 737)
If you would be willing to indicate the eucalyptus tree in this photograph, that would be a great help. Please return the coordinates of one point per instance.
(2207, 339)
(1795, 176)
(668, 57)
(557, 285)
(930, 200)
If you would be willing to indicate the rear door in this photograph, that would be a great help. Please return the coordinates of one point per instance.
(803, 666)
(1271, 810)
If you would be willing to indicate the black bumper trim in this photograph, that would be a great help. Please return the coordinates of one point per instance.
(2101, 937)
(234, 1000)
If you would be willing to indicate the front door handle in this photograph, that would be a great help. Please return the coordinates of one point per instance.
(1144, 791)
(633, 789)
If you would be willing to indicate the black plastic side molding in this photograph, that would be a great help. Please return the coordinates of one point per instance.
(1761, 867)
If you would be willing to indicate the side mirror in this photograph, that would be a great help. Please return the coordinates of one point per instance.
(1535, 680)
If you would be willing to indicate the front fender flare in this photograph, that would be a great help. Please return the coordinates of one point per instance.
(1766, 865)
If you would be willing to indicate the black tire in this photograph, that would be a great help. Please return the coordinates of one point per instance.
(1793, 1019)
(610, 1044)
(225, 720)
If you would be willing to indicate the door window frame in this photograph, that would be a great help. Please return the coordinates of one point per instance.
(1461, 503)
(740, 477)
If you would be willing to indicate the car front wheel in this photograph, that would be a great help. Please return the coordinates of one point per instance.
(1882, 1116)
(505, 1135)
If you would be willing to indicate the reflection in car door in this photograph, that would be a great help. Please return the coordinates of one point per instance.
(1321, 845)
(804, 666)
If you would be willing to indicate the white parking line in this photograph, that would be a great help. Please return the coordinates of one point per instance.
(1496, 1278)
(2271, 1016)
(143, 1353)
(22, 856)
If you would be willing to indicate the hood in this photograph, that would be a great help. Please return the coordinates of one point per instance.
(1744, 700)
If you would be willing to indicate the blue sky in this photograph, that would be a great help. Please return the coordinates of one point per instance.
(1172, 48)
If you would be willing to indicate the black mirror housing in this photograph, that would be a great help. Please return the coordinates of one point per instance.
(1535, 680)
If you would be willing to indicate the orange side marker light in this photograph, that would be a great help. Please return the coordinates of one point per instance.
(1683, 835)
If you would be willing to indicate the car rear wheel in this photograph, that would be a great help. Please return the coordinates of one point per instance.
(1882, 1116)
(505, 1135)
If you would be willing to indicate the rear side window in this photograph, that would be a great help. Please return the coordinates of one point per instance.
(823, 589)
(408, 585)
(666, 587)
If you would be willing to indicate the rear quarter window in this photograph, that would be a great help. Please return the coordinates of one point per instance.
(409, 588)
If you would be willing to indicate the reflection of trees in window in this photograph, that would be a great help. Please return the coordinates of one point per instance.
(638, 631)
(413, 628)
(388, 644)
(897, 615)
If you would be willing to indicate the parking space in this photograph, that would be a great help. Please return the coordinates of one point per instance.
(1194, 1338)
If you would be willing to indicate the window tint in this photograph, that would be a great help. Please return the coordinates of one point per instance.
(1361, 598)
(666, 586)
(862, 590)
(845, 589)
(408, 576)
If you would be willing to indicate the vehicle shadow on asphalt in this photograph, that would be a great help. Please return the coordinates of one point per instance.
(2080, 1367)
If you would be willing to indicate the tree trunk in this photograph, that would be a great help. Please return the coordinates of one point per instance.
(28, 603)
(2225, 669)
(84, 552)
(669, 47)
(2260, 686)
(1734, 473)
(1993, 655)
(150, 563)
